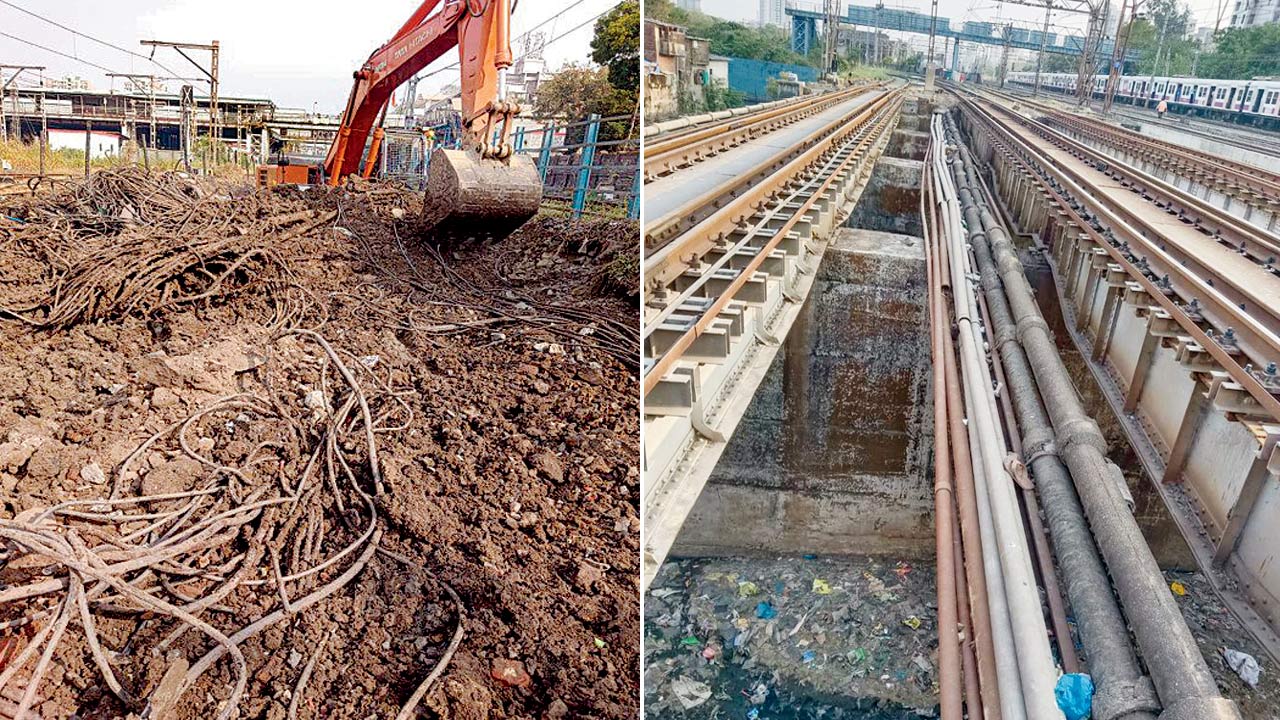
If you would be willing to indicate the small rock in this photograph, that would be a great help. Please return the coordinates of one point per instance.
(46, 461)
(548, 465)
(314, 400)
(557, 709)
(295, 659)
(541, 387)
(588, 575)
(93, 474)
(163, 397)
(510, 673)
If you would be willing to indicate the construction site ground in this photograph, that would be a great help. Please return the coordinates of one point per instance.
(240, 357)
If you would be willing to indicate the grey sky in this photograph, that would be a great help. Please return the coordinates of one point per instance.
(295, 52)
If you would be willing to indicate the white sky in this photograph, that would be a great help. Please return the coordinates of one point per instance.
(295, 52)
(1203, 11)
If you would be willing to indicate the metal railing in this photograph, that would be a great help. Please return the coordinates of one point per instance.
(580, 171)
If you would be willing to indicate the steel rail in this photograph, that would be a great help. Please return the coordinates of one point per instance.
(1225, 298)
(696, 240)
(1260, 181)
(1020, 153)
(874, 118)
(1262, 246)
(659, 232)
(667, 155)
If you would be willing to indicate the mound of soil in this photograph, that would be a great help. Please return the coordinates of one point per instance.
(502, 379)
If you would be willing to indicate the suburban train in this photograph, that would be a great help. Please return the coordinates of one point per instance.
(1247, 102)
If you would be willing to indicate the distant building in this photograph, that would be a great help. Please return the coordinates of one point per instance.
(674, 68)
(771, 13)
(718, 70)
(72, 83)
(102, 144)
(1249, 13)
(694, 5)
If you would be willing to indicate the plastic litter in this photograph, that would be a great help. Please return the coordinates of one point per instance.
(808, 656)
(690, 693)
(759, 694)
(822, 587)
(748, 589)
(1074, 694)
(912, 622)
(765, 611)
(691, 640)
(753, 714)
(1245, 665)
(1178, 588)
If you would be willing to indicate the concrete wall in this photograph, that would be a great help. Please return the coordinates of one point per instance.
(891, 202)
(832, 456)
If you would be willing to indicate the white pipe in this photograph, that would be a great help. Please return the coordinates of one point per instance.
(1030, 637)
(1008, 678)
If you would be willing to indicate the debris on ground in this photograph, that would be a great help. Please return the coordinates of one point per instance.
(1217, 629)
(280, 455)
(791, 638)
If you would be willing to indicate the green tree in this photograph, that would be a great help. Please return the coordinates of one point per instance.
(1243, 53)
(730, 38)
(577, 91)
(616, 45)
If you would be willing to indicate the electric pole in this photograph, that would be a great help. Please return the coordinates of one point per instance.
(933, 30)
(1117, 55)
(17, 116)
(1044, 38)
(211, 73)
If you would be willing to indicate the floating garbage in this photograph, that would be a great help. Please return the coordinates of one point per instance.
(748, 589)
(1245, 665)
(808, 656)
(766, 611)
(821, 587)
(1074, 694)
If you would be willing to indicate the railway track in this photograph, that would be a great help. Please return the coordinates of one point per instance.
(1248, 184)
(669, 152)
(677, 201)
(721, 293)
(1222, 269)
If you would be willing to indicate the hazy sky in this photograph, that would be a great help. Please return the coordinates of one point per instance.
(295, 52)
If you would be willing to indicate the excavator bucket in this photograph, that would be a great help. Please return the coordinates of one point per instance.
(477, 197)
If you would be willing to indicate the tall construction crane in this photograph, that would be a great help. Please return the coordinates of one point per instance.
(485, 180)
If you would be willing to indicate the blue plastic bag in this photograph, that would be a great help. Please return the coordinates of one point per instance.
(765, 611)
(1074, 694)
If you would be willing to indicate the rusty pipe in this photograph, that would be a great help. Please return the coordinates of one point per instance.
(966, 500)
(949, 681)
(968, 653)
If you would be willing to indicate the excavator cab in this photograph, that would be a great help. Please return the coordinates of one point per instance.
(483, 188)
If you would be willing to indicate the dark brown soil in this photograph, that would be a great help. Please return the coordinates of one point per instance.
(514, 479)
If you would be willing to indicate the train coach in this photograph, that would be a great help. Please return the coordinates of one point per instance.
(1247, 102)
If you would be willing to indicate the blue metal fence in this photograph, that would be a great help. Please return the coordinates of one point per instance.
(579, 170)
(751, 77)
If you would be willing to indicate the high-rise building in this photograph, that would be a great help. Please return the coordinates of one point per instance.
(1249, 13)
(771, 13)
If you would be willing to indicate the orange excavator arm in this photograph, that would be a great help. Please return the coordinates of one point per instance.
(481, 30)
